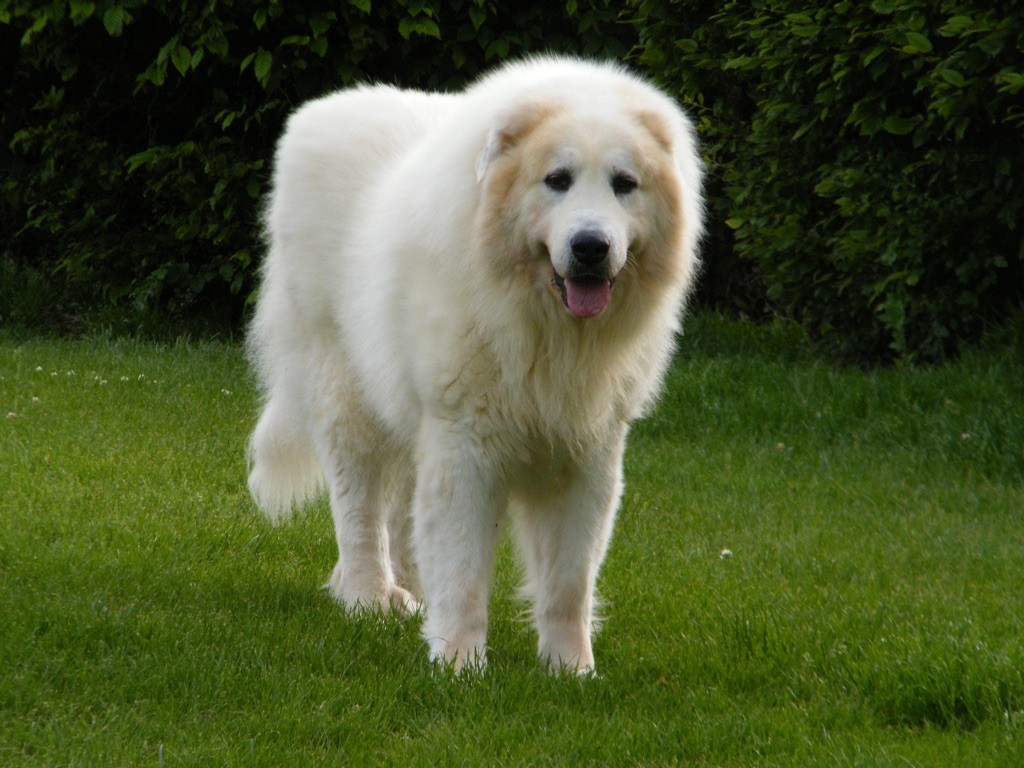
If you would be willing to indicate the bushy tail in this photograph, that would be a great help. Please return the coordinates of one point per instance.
(284, 473)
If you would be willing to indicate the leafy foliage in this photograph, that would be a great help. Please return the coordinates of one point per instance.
(866, 156)
(137, 132)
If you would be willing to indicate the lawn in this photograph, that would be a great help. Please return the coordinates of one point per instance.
(813, 566)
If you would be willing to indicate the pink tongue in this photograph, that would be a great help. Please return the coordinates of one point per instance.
(587, 298)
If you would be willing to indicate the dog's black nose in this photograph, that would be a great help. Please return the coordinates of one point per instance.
(589, 248)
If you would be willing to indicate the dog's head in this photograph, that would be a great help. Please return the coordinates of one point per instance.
(581, 198)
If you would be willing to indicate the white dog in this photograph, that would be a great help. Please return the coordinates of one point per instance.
(467, 300)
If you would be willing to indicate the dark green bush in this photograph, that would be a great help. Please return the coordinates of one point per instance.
(136, 133)
(865, 156)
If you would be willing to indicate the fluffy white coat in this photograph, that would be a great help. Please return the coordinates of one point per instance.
(466, 300)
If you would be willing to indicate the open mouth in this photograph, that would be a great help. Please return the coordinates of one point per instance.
(583, 295)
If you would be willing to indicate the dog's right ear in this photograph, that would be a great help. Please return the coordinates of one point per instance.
(495, 142)
(508, 130)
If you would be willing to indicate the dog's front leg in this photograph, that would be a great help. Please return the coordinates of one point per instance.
(564, 539)
(457, 511)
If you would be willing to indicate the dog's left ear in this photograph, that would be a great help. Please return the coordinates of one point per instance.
(659, 128)
(509, 130)
(674, 133)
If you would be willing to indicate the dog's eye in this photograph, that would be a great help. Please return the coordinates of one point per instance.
(559, 181)
(623, 183)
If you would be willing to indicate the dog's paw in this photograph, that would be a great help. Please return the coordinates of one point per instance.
(402, 601)
(574, 668)
(358, 598)
(452, 659)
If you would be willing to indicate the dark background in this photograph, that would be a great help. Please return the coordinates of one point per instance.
(865, 159)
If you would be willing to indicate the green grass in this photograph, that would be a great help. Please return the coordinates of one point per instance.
(871, 612)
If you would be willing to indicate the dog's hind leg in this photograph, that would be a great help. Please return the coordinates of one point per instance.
(363, 577)
(355, 465)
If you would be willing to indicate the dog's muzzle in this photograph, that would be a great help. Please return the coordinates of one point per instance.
(586, 286)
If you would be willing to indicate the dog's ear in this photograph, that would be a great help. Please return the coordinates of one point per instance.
(509, 130)
(659, 128)
(495, 143)
(674, 133)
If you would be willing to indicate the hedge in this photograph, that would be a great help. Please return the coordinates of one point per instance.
(137, 132)
(865, 158)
